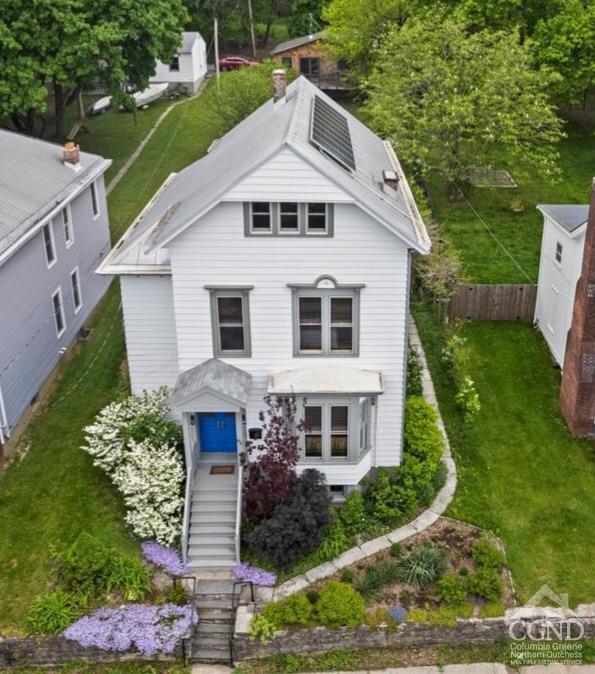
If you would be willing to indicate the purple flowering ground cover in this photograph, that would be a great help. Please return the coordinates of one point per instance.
(165, 558)
(254, 575)
(136, 627)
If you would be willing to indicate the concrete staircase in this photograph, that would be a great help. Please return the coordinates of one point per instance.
(211, 543)
(211, 638)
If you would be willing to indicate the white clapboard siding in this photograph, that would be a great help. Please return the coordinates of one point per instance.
(147, 303)
(192, 66)
(557, 285)
(215, 251)
(287, 177)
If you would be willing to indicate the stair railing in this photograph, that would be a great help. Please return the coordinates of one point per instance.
(188, 639)
(235, 602)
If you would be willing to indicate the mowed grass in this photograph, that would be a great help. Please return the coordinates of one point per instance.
(54, 492)
(521, 474)
(484, 258)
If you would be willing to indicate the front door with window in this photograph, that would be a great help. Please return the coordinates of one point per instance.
(217, 431)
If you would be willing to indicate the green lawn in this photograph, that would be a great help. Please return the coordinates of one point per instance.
(483, 259)
(54, 492)
(520, 473)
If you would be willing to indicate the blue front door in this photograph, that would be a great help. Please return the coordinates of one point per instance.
(217, 431)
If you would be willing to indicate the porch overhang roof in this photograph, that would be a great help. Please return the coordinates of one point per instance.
(215, 377)
(330, 379)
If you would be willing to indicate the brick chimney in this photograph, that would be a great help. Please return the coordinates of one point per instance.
(577, 394)
(71, 155)
(279, 84)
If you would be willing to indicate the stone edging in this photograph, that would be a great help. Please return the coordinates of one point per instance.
(421, 522)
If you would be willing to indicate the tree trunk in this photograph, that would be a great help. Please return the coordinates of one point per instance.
(59, 111)
(267, 32)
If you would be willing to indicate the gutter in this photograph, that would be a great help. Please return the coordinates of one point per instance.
(30, 233)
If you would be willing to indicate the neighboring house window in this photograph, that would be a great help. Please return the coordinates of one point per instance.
(67, 226)
(316, 218)
(261, 221)
(175, 64)
(94, 200)
(58, 309)
(76, 290)
(230, 316)
(326, 321)
(48, 242)
(286, 61)
(310, 67)
(333, 428)
(559, 252)
(280, 219)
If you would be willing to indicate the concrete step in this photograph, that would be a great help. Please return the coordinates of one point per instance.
(215, 617)
(214, 604)
(214, 629)
(212, 587)
(209, 655)
(214, 643)
(211, 563)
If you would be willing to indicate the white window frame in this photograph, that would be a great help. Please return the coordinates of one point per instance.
(74, 274)
(95, 200)
(49, 228)
(67, 225)
(356, 408)
(58, 293)
(261, 232)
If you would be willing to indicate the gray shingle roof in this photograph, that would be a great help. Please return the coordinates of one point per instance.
(214, 375)
(568, 216)
(33, 181)
(297, 42)
(201, 185)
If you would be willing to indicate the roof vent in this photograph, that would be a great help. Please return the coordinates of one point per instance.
(390, 179)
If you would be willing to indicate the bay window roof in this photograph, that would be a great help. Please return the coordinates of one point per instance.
(329, 379)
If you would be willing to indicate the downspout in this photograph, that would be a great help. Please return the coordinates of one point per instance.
(4, 430)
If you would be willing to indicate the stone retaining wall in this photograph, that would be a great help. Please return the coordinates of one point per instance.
(44, 651)
(324, 639)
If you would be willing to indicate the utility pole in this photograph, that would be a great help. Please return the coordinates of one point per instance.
(252, 28)
(216, 37)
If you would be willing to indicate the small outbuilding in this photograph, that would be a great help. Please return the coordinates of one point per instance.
(308, 57)
(188, 67)
(563, 242)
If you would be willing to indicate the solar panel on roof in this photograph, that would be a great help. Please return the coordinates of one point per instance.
(329, 131)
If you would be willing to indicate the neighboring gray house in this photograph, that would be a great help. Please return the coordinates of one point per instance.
(53, 235)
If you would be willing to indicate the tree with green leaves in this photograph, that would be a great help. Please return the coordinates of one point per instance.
(356, 27)
(451, 101)
(306, 17)
(566, 44)
(64, 45)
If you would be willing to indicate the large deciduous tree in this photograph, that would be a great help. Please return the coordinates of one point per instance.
(64, 45)
(454, 101)
(356, 27)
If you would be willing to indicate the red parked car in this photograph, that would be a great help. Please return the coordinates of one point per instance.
(235, 63)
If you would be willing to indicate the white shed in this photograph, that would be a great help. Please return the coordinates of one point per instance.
(187, 68)
(562, 246)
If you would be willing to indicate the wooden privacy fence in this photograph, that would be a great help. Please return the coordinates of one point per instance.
(494, 302)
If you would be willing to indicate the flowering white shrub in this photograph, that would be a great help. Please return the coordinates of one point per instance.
(138, 446)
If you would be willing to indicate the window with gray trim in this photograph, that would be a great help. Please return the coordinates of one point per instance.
(336, 428)
(288, 218)
(230, 318)
(326, 321)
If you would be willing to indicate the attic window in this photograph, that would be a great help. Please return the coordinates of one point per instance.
(261, 217)
(559, 252)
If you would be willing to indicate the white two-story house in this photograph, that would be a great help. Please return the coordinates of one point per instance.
(277, 264)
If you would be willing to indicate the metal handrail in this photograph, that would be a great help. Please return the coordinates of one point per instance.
(234, 609)
(187, 650)
(238, 508)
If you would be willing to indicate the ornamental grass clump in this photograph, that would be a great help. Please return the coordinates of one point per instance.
(140, 448)
(252, 574)
(137, 627)
(167, 559)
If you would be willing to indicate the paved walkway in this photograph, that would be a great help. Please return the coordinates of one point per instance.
(477, 668)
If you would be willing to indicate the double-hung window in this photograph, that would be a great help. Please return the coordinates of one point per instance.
(67, 226)
(316, 222)
(230, 318)
(48, 243)
(261, 221)
(58, 310)
(335, 429)
(326, 321)
(289, 218)
(75, 284)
